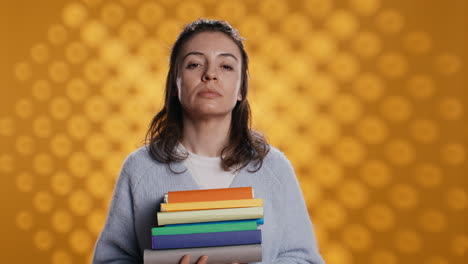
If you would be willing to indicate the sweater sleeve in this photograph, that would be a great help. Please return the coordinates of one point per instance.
(299, 244)
(117, 243)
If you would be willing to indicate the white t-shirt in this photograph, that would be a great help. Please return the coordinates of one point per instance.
(207, 171)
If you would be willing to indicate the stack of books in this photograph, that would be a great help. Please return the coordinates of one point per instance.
(220, 223)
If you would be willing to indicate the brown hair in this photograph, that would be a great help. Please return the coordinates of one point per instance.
(165, 130)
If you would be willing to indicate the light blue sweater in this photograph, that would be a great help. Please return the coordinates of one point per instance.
(287, 234)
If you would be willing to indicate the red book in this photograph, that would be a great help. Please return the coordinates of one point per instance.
(210, 195)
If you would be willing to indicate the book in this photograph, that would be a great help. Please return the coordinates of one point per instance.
(209, 195)
(223, 254)
(190, 206)
(198, 216)
(230, 238)
(209, 227)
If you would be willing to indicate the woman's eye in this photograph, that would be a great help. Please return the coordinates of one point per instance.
(227, 67)
(193, 65)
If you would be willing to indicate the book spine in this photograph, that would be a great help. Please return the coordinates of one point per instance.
(191, 206)
(222, 254)
(207, 239)
(183, 217)
(210, 195)
(210, 227)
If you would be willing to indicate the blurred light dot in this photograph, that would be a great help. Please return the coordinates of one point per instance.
(95, 71)
(114, 90)
(357, 237)
(432, 220)
(97, 108)
(380, 217)
(404, 196)
(24, 220)
(40, 53)
(79, 164)
(7, 126)
(365, 7)
(57, 34)
(60, 145)
(93, 33)
(366, 44)
(327, 171)
(346, 108)
(168, 28)
(232, 11)
(457, 198)
(344, 67)
(61, 183)
(390, 21)
(80, 241)
(59, 71)
(129, 2)
(368, 86)
(428, 175)
(22, 71)
(418, 42)
(421, 86)
(92, 2)
(150, 13)
(450, 108)
(98, 146)
(331, 214)
(336, 253)
(77, 90)
(392, 65)
(95, 221)
(190, 10)
(408, 241)
(25, 182)
(325, 130)
(42, 126)
(459, 245)
(321, 46)
(43, 239)
(25, 144)
(312, 193)
(352, 194)
(318, 8)
(424, 131)
(112, 14)
(372, 130)
(323, 88)
(349, 151)
(74, 14)
(80, 202)
(447, 64)
(383, 257)
(62, 221)
(132, 33)
(60, 108)
(98, 184)
(43, 164)
(114, 51)
(76, 53)
(43, 201)
(7, 163)
(41, 90)
(396, 108)
(375, 173)
(399, 152)
(61, 257)
(436, 260)
(342, 23)
(453, 153)
(78, 126)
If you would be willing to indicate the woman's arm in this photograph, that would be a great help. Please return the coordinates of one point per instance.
(117, 242)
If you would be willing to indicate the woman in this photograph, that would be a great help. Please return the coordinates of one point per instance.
(202, 139)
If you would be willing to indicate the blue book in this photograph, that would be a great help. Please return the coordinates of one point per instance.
(245, 237)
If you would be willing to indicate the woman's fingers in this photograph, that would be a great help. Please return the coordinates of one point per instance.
(185, 260)
(202, 260)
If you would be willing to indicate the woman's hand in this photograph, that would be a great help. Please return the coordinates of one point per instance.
(201, 260)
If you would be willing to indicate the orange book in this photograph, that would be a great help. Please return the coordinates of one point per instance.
(210, 195)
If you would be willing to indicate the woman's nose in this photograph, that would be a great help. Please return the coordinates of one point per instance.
(209, 74)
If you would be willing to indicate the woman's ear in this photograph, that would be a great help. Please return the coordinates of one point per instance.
(239, 96)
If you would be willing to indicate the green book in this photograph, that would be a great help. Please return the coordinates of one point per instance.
(209, 227)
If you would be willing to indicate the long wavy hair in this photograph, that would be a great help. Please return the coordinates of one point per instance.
(166, 129)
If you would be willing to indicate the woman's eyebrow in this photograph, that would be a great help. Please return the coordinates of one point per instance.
(202, 54)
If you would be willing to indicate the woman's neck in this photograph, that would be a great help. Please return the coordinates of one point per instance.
(206, 137)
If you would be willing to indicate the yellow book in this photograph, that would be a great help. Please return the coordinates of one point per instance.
(191, 206)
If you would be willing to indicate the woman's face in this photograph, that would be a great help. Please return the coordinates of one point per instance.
(209, 75)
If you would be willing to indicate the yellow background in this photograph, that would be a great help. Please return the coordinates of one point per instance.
(366, 97)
